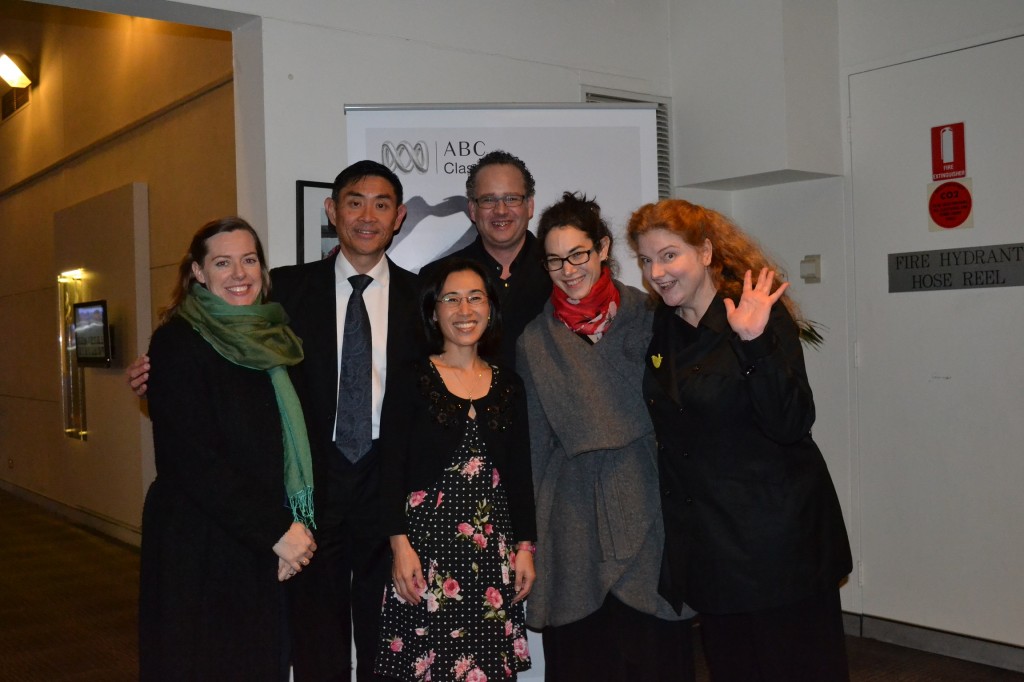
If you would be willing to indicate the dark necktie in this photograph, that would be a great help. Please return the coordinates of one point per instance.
(353, 432)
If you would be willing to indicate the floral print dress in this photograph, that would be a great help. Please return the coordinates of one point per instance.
(466, 628)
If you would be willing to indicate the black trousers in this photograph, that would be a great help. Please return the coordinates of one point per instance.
(801, 642)
(617, 643)
(340, 593)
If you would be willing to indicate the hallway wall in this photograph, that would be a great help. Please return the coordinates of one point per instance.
(118, 100)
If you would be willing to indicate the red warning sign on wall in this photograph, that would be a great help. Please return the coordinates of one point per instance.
(950, 205)
(948, 159)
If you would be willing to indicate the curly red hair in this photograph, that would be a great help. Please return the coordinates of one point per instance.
(733, 252)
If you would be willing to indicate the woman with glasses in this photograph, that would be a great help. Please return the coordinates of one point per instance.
(457, 495)
(599, 524)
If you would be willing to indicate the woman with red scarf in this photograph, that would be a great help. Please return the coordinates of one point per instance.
(599, 525)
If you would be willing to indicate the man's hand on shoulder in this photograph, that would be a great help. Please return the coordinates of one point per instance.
(137, 375)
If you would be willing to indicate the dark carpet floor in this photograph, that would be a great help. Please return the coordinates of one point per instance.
(68, 612)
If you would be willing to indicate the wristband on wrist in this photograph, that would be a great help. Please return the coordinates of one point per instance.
(527, 547)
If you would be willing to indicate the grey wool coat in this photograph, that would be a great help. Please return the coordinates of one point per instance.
(595, 471)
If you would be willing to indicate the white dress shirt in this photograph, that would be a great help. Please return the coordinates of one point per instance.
(376, 299)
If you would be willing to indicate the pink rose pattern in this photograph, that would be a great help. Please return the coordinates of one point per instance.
(472, 467)
(480, 528)
(466, 628)
(493, 598)
(476, 675)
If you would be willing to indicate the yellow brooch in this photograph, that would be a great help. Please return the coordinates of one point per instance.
(656, 360)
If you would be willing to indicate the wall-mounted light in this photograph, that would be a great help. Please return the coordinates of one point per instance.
(71, 290)
(16, 70)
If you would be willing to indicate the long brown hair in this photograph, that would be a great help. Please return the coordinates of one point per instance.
(197, 252)
(733, 252)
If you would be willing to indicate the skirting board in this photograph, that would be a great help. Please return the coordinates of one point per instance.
(935, 641)
(80, 517)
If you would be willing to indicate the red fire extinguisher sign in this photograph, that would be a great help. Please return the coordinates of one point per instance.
(948, 159)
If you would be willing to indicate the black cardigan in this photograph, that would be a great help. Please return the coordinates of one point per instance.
(752, 520)
(422, 425)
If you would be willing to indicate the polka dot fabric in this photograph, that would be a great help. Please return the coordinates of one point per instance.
(466, 628)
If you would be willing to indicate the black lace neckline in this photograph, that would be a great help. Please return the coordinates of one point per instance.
(493, 409)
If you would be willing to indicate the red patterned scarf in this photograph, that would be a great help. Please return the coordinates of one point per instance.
(593, 314)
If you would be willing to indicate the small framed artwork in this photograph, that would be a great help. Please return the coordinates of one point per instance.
(315, 237)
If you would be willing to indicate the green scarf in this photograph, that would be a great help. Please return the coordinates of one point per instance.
(258, 337)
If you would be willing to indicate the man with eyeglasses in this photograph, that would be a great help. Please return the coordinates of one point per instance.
(500, 190)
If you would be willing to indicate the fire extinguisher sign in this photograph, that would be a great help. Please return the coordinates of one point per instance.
(950, 204)
(948, 159)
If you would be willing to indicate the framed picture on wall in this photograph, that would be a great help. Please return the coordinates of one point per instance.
(315, 237)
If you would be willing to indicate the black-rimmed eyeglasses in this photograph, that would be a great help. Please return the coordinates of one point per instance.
(510, 200)
(552, 263)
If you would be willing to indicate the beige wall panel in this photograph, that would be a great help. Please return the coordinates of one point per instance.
(187, 160)
(126, 68)
(32, 443)
(30, 363)
(191, 173)
(26, 239)
(162, 281)
(108, 236)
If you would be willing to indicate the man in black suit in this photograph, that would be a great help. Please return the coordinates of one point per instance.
(500, 191)
(352, 563)
(339, 594)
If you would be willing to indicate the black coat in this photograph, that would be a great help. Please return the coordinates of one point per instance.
(210, 605)
(752, 520)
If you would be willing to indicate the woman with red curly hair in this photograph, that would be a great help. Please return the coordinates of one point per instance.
(755, 539)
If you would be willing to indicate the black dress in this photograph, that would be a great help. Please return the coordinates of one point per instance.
(210, 605)
(460, 524)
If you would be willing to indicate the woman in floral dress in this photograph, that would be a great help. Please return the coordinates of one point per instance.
(457, 496)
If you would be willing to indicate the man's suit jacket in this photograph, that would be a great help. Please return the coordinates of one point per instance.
(307, 293)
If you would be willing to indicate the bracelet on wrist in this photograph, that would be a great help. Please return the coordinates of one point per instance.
(527, 547)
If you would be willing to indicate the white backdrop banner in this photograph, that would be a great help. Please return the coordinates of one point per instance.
(607, 151)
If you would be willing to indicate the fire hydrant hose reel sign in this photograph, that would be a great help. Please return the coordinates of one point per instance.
(951, 207)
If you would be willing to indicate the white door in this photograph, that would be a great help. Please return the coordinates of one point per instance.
(940, 373)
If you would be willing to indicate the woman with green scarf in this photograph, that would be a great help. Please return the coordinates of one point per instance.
(229, 516)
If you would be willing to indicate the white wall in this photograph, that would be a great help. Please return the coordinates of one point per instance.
(873, 32)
